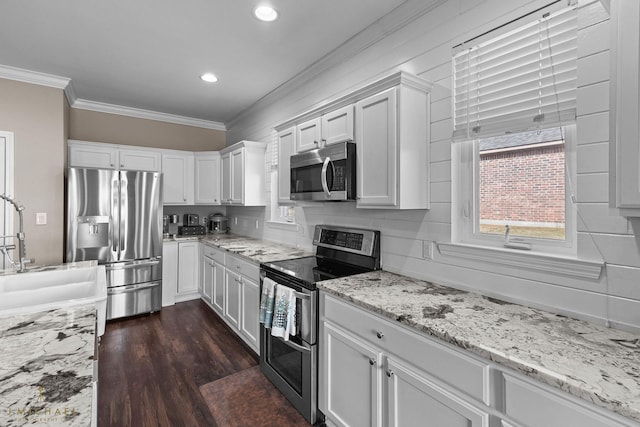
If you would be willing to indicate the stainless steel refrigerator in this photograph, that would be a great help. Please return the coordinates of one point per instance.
(115, 217)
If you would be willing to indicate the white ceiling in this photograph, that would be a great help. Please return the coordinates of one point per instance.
(149, 54)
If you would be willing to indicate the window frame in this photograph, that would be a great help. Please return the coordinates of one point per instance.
(466, 202)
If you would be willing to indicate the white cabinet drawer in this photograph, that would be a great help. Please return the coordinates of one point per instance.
(243, 267)
(533, 404)
(214, 253)
(447, 364)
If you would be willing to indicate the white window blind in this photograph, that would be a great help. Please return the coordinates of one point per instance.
(522, 80)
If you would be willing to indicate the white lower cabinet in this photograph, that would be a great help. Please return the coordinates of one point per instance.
(250, 305)
(231, 287)
(367, 378)
(376, 372)
(233, 290)
(349, 379)
(188, 271)
(169, 272)
(415, 400)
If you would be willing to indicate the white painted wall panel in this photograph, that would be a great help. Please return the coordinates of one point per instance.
(624, 281)
(594, 39)
(597, 218)
(593, 99)
(593, 158)
(593, 69)
(593, 188)
(593, 128)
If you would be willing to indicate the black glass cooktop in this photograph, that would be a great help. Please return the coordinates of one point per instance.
(313, 269)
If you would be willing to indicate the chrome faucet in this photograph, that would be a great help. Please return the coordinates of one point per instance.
(22, 254)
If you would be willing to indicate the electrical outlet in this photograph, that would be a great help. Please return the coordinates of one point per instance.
(235, 220)
(257, 224)
(427, 249)
(41, 218)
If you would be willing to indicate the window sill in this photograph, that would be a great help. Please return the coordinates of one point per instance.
(281, 225)
(565, 266)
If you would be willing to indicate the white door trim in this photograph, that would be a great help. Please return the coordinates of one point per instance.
(7, 170)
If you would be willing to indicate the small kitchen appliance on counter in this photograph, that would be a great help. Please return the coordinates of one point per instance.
(292, 366)
(190, 219)
(217, 223)
(192, 230)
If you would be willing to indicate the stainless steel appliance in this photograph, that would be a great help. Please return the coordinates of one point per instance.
(327, 173)
(191, 219)
(293, 365)
(115, 217)
(218, 223)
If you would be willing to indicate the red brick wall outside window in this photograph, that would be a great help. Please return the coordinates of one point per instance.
(524, 185)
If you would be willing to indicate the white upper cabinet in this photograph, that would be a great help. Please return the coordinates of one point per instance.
(139, 160)
(393, 147)
(177, 170)
(84, 154)
(337, 126)
(388, 120)
(286, 148)
(309, 135)
(330, 128)
(243, 174)
(207, 178)
(625, 107)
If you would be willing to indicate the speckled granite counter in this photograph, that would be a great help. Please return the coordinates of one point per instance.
(595, 363)
(36, 268)
(252, 249)
(46, 367)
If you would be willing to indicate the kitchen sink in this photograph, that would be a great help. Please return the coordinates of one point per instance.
(51, 288)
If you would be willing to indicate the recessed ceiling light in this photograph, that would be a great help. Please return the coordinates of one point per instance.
(209, 77)
(265, 13)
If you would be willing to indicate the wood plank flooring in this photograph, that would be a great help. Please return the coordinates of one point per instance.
(151, 366)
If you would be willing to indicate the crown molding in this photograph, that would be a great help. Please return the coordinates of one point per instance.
(101, 107)
(398, 18)
(64, 83)
(34, 77)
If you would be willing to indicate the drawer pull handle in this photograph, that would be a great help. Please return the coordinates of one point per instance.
(389, 373)
(379, 335)
(372, 361)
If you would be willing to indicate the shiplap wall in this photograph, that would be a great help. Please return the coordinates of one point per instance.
(424, 47)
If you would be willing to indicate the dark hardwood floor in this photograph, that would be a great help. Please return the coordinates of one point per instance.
(151, 366)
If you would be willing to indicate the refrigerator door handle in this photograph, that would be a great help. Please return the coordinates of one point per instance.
(131, 288)
(132, 264)
(115, 213)
(124, 200)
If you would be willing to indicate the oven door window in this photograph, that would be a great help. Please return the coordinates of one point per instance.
(286, 361)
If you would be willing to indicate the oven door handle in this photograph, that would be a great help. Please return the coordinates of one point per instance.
(323, 176)
(305, 348)
(300, 295)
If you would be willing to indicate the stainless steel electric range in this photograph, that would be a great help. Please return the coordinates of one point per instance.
(293, 365)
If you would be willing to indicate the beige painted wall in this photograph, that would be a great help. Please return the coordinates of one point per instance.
(35, 114)
(115, 129)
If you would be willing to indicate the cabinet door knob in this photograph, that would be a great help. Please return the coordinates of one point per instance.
(379, 335)
(372, 361)
(389, 373)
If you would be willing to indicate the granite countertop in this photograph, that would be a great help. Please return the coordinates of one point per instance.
(254, 250)
(595, 363)
(40, 268)
(46, 367)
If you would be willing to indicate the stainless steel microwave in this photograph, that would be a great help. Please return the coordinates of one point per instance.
(327, 173)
